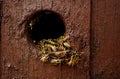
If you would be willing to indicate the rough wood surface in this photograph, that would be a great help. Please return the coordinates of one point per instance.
(105, 39)
(0, 34)
(19, 58)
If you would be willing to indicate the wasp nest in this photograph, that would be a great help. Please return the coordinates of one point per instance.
(58, 51)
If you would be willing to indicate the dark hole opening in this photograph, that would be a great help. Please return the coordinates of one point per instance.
(45, 24)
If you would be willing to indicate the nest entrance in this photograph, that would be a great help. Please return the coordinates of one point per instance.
(45, 24)
(46, 30)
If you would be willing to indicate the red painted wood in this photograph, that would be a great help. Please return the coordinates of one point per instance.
(105, 39)
(19, 58)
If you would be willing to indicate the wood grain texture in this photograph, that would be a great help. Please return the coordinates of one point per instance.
(19, 58)
(105, 39)
(0, 34)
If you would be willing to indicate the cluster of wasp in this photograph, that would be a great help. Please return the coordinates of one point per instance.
(58, 51)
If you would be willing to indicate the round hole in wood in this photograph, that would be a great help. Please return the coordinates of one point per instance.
(45, 24)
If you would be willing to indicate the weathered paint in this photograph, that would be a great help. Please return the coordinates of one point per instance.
(20, 58)
(105, 39)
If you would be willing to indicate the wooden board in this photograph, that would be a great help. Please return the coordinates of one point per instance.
(105, 39)
(19, 58)
(0, 34)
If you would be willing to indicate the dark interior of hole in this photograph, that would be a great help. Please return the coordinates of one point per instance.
(48, 26)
